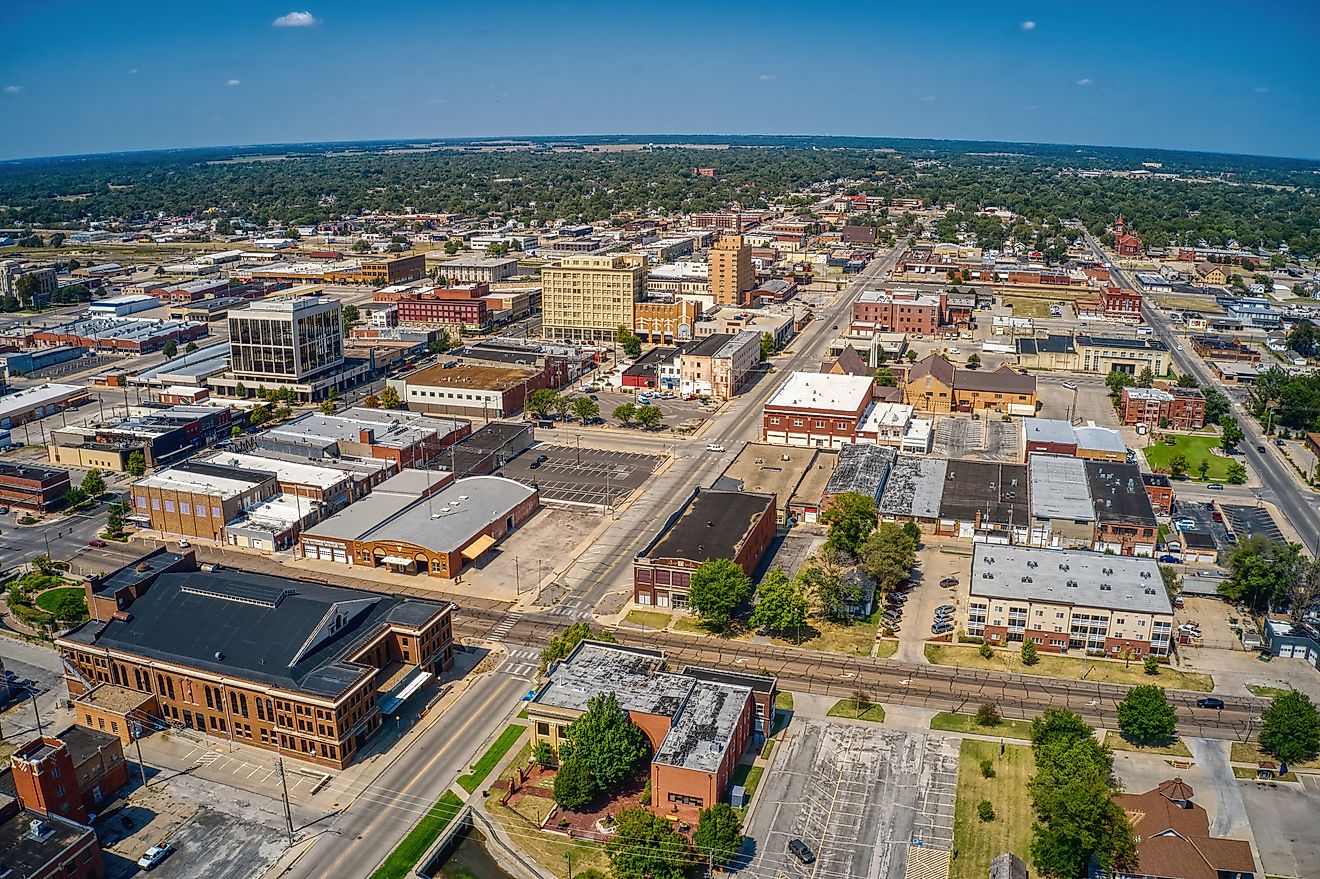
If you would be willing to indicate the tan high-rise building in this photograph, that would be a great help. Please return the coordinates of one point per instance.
(589, 297)
(731, 272)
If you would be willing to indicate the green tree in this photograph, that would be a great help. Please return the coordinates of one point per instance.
(1216, 404)
(624, 413)
(1178, 464)
(1235, 473)
(887, 556)
(351, 316)
(1030, 656)
(1290, 728)
(717, 588)
(605, 741)
(767, 346)
(827, 589)
(1150, 665)
(258, 415)
(1057, 725)
(973, 361)
(361, 246)
(575, 787)
(169, 349)
(1116, 381)
(1172, 580)
(137, 463)
(389, 398)
(1204, 467)
(327, 407)
(911, 356)
(648, 416)
(781, 603)
(240, 390)
(561, 645)
(850, 517)
(1146, 379)
(1145, 715)
(585, 409)
(441, 343)
(371, 401)
(646, 846)
(93, 483)
(114, 522)
(1076, 816)
(629, 341)
(884, 377)
(452, 246)
(70, 607)
(1304, 338)
(1186, 380)
(719, 836)
(1261, 572)
(542, 402)
(190, 348)
(1230, 433)
(543, 754)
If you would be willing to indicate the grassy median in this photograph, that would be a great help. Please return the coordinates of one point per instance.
(489, 760)
(1105, 671)
(408, 852)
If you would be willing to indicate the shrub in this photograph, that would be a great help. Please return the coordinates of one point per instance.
(986, 651)
(1029, 656)
(985, 811)
(987, 768)
(1151, 665)
(988, 715)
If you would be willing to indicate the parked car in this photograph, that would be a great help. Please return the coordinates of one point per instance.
(1072, 386)
(945, 608)
(1210, 702)
(797, 848)
(1170, 560)
(154, 855)
(1217, 516)
(1279, 443)
(1190, 629)
(941, 628)
(183, 544)
(949, 581)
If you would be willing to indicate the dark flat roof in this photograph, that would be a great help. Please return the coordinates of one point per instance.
(28, 471)
(23, 854)
(82, 742)
(1119, 493)
(711, 525)
(1156, 479)
(129, 575)
(1142, 342)
(997, 491)
(708, 345)
(262, 628)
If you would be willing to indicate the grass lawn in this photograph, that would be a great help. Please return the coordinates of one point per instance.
(749, 777)
(784, 700)
(975, 841)
(1028, 307)
(850, 709)
(1176, 748)
(548, 849)
(494, 754)
(1251, 753)
(887, 648)
(1256, 690)
(1195, 448)
(947, 721)
(694, 625)
(46, 600)
(855, 639)
(1101, 670)
(652, 619)
(401, 861)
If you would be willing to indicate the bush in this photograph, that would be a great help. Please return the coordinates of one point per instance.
(988, 715)
(985, 811)
(987, 769)
(1151, 665)
(1029, 656)
(543, 754)
(645, 798)
(986, 651)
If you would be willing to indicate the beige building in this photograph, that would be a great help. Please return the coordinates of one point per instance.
(719, 364)
(731, 272)
(590, 297)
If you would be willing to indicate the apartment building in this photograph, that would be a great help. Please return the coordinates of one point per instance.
(718, 365)
(1068, 600)
(70, 774)
(710, 524)
(731, 274)
(298, 668)
(1175, 407)
(194, 499)
(816, 409)
(589, 297)
(896, 311)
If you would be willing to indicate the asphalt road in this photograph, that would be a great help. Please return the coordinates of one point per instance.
(65, 538)
(1278, 485)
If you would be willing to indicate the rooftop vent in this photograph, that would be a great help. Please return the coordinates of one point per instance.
(219, 656)
(1072, 583)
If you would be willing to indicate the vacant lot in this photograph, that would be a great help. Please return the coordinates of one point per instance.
(1195, 448)
(947, 721)
(975, 841)
(1101, 670)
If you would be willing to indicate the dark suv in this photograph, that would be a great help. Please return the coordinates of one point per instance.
(799, 850)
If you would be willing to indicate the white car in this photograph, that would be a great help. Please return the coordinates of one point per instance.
(714, 447)
(183, 544)
(1072, 386)
(1190, 629)
(154, 855)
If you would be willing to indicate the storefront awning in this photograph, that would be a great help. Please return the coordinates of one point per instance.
(473, 550)
(396, 560)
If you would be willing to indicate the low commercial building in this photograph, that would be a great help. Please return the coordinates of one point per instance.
(698, 722)
(328, 487)
(1054, 436)
(710, 524)
(196, 500)
(132, 335)
(70, 774)
(656, 368)
(122, 306)
(718, 365)
(1068, 600)
(403, 439)
(780, 324)
(436, 531)
(1114, 304)
(1175, 407)
(935, 385)
(985, 502)
(1062, 514)
(208, 311)
(861, 469)
(474, 391)
(1160, 491)
(479, 269)
(1219, 348)
(913, 490)
(298, 668)
(666, 319)
(891, 424)
(816, 409)
(38, 845)
(796, 477)
(488, 449)
(24, 362)
(191, 291)
(32, 488)
(1125, 522)
(32, 404)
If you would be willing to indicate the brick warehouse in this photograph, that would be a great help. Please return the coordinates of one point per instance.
(298, 668)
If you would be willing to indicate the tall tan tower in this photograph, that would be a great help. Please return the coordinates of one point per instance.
(731, 273)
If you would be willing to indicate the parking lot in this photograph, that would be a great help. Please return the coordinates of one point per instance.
(990, 438)
(1246, 521)
(676, 411)
(861, 797)
(1283, 822)
(1204, 521)
(582, 476)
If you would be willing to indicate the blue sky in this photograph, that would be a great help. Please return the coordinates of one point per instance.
(89, 77)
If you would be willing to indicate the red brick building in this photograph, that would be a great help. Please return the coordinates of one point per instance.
(32, 488)
(1176, 408)
(1126, 244)
(816, 409)
(1160, 491)
(897, 311)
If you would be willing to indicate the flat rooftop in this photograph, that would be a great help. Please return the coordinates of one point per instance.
(214, 481)
(1119, 493)
(1059, 489)
(296, 473)
(711, 525)
(30, 398)
(703, 731)
(138, 571)
(914, 488)
(477, 377)
(862, 468)
(1073, 577)
(998, 492)
(822, 392)
(778, 470)
(26, 854)
(636, 677)
(113, 698)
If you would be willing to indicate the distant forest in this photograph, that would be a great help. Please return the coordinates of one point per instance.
(1253, 200)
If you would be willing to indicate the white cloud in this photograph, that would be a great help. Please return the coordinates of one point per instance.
(13, 89)
(1085, 82)
(232, 82)
(296, 19)
(1261, 90)
(766, 77)
(132, 71)
(1028, 25)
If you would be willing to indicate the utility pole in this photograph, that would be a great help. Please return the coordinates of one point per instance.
(284, 789)
(36, 710)
(142, 767)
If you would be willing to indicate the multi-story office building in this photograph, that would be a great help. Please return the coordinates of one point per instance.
(196, 499)
(590, 297)
(286, 339)
(896, 311)
(1178, 408)
(718, 365)
(731, 273)
(479, 269)
(1067, 600)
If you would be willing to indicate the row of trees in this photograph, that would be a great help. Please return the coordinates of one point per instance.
(544, 402)
(1280, 399)
(1267, 575)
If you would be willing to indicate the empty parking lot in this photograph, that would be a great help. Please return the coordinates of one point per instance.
(583, 476)
(863, 798)
(1247, 521)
